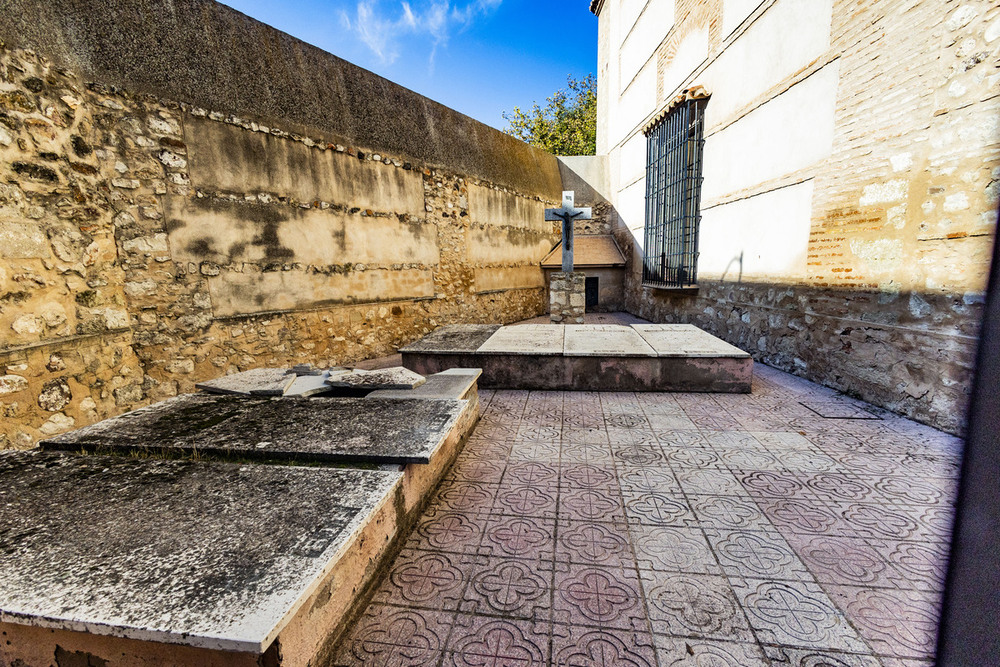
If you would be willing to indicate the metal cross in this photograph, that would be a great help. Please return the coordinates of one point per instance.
(568, 213)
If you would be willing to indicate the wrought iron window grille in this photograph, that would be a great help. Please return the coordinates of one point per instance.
(674, 149)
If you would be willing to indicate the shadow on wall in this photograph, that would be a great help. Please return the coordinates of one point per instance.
(912, 352)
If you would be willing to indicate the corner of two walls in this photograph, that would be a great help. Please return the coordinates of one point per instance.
(147, 244)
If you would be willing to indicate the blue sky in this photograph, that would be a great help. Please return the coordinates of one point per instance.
(481, 57)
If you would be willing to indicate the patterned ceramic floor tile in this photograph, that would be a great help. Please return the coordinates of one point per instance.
(529, 473)
(795, 614)
(428, 579)
(756, 554)
(390, 636)
(668, 549)
(631, 530)
(519, 537)
(591, 504)
(463, 496)
(604, 544)
(584, 476)
(574, 646)
(646, 479)
(598, 596)
(697, 606)
(483, 641)
(509, 587)
(657, 509)
(729, 512)
(453, 532)
(686, 652)
(516, 499)
(896, 623)
(838, 560)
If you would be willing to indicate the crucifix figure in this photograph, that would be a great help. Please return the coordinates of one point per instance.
(568, 214)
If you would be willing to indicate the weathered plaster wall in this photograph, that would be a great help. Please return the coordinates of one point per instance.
(852, 164)
(148, 241)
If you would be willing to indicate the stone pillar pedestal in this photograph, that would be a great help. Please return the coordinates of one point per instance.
(567, 297)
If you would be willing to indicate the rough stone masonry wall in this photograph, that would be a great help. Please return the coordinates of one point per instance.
(904, 215)
(148, 243)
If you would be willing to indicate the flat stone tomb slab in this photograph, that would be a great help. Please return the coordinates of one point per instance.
(258, 381)
(293, 429)
(396, 377)
(213, 555)
(530, 339)
(685, 340)
(605, 340)
(453, 338)
(453, 383)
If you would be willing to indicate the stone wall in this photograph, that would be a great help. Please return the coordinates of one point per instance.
(849, 203)
(148, 242)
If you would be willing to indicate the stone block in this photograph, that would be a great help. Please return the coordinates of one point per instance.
(396, 377)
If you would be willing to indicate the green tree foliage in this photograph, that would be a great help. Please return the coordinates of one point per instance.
(568, 123)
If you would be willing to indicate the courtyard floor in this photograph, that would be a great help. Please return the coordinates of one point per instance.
(790, 526)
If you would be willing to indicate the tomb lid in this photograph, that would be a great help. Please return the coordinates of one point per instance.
(330, 430)
(453, 338)
(685, 340)
(605, 340)
(589, 251)
(530, 339)
(212, 555)
(453, 383)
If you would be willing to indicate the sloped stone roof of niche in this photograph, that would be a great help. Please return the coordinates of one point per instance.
(592, 251)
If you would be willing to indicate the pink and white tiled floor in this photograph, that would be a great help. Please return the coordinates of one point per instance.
(791, 526)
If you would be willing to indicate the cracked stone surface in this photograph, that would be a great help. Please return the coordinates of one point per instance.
(653, 529)
(215, 555)
(302, 429)
(257, 381)
(395, 377)
(454, 338)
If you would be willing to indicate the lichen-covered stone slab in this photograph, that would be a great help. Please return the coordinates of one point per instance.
(530, 339)
(453, 383)
(605, 340)
(284, 429)
(685, 340)
(258, 381)
(214, 555)
(453, 338)
(395, 377)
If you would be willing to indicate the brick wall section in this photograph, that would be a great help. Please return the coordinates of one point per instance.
(903, 220)
(101, 313)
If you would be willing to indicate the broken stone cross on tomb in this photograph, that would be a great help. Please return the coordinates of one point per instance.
(567, 299)
(568, 214)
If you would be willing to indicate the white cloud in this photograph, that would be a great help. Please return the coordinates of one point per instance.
(381, 28)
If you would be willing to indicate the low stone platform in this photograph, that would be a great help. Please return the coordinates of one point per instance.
(587, 357)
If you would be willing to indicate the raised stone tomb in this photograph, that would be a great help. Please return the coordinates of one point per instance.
(173, 561)
(647, 357)
(333, 430)
(197, 562)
